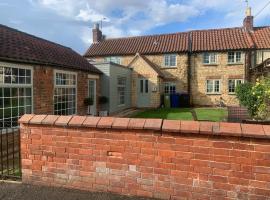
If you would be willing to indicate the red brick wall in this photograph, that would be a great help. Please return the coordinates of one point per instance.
(43, 89)
(153, 158)
(82, 92)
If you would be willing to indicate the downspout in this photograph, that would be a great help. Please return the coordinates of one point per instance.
(249, 57)
(189, 70)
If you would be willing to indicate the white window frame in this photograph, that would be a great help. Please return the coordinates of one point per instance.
(211, 56)
(235, 57)
(169, 84)
(19, 85)
(113, 59)
(123, 86)
(235, 84)
(168, 56)
(213, 86)
(66, 86)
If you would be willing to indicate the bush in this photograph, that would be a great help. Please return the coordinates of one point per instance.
(103, 100)
(88, 101)
(255, 97)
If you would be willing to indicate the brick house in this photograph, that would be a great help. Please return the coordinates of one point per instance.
(39, 76)
(207, 64)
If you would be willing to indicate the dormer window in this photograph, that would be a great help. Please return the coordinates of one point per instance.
(170, 60)
(234, 57)
(209, 58)
(114, 59)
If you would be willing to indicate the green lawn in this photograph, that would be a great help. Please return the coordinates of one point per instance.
(204, 114)
(166, 113)
(211, 114)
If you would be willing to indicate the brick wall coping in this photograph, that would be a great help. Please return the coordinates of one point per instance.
(175, 126)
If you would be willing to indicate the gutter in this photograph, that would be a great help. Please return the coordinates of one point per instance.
(189, 66)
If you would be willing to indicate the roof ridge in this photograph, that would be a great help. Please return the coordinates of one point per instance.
(142, 36)
(33, 36)
(183, 32)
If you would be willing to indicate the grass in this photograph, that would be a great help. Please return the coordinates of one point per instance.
(203, 114)
(211, 114)
(166, 113)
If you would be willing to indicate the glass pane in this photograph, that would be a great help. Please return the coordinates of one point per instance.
(28, 109)
(7, 112)
(217, 89)
(141, 86)
(14, 75)
(21, 72)
(22, 79)
(209, 86)
(206, 58)
(146, 86)
(28, 72)
(28, 92)
(28, 80)
(7, 92)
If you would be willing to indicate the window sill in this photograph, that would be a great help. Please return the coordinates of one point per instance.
(232, 93)
(122, 105)
(167, 67)
(213, 93)
(209, 65)
(231, 64)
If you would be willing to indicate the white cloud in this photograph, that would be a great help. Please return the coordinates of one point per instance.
(161, 12)
(89, 14)
(134, 17)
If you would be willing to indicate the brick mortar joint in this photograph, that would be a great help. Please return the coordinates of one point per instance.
(156, 125)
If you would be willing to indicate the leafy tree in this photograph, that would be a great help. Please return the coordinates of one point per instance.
(256, 98)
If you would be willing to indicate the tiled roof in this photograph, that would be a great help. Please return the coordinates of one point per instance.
(202, 40)
(177, 42)
(261, 37)
(17, 46)
(220, 40)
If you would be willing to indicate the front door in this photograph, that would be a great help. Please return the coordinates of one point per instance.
(92, 94)
(143, 97)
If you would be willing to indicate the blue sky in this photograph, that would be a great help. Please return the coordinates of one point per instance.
(69, 22)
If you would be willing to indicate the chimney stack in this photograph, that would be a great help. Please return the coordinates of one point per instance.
(97, 34)
(248, 21)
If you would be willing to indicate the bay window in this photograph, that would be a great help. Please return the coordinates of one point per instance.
(15, 94)
(65, 84)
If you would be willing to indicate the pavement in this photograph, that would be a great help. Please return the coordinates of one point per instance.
(19, 191)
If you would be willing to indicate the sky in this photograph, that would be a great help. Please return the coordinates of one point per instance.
(70, 22)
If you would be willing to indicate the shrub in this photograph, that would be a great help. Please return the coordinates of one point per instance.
(255, 97)
(103, 100)
(88, 101)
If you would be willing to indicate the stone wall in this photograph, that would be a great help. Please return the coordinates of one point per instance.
(222, 70)
(147, 157)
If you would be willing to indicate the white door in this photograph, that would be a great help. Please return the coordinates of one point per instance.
(92, 94)
(143, 97)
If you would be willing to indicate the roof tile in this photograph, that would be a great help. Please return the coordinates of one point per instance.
(18, 46)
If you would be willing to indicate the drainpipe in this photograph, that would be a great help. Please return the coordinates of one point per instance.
(189, 70)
